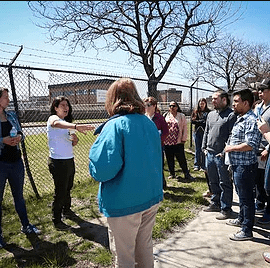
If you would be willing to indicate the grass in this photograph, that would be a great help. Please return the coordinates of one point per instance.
(86, 244)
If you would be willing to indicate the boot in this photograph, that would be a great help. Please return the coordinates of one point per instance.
(189, 177)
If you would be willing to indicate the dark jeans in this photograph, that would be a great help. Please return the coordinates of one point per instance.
(261, 198)
(177, 151)
(220, 181)
(244, 180)
(199, 160)
(14, 173)
(63, 171)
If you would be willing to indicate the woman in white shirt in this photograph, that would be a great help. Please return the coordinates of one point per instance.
(61, 139)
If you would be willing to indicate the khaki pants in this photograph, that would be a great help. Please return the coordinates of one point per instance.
(131, 239)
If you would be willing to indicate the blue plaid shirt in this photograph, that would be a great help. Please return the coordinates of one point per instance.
(245, 130)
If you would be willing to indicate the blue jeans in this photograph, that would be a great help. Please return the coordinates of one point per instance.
(14, 173)
(220, 181)
(244, 180)
(267, 177)
(199, 160)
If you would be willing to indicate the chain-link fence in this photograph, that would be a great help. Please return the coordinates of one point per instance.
(31, 99)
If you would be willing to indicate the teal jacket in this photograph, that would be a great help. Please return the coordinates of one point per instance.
(126, 159)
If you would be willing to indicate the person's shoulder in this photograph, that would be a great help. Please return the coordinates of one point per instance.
(159, 116)
(11, 113)
(53, 117)
(212, 111)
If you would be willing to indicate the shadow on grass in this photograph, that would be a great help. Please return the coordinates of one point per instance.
(43, 253)
(183, 194)
(91, 231)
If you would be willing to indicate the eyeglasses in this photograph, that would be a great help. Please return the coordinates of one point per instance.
(172, 106)
(149, 104)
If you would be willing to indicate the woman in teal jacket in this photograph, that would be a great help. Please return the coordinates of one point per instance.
(126, 159)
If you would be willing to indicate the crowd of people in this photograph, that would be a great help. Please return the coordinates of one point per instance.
(236, 147)
(231, 148)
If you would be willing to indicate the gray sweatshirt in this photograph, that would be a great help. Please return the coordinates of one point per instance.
(218, 128)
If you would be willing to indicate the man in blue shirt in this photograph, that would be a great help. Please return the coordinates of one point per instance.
(242, 148)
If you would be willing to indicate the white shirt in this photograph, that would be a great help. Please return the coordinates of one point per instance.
(60, 146)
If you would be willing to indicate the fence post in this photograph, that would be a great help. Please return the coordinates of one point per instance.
(191, 109)
(12, 85)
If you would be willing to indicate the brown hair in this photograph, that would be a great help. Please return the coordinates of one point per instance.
(56, 103)
(122, 97)
(2, 89)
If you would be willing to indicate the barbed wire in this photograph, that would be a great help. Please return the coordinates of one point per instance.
(69, 58)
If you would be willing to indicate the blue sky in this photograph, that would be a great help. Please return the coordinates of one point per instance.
(17, 28)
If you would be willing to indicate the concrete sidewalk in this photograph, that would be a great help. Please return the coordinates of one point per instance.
(205, 242)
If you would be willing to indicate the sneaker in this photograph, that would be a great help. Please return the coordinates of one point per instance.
(212, 208)
(196, 169)
(207, 194)
(259, 211)
(234, 222)
(266, 256)
(31, 229)
(241, 236)
(264, 220)
(224, 215)
(61, 226)
(2, 242)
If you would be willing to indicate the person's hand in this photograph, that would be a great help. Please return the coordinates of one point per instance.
(267, 192)
(12, 141)
(264, 155)
(228, 148)
(83, 128)
(263, 126)
(74, 139)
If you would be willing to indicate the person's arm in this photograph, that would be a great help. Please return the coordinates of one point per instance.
(264, 129)
(106, 154)
(184, 128)
(242, 147)
(164, 129)
(55, 122)
(205, 135)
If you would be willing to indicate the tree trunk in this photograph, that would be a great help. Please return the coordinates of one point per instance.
(152, 88)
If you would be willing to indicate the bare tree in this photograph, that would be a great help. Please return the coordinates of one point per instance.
(152, 32)
(260, 55)
(231, 63)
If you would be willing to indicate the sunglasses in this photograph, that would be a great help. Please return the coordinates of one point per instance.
(149, 104)
(172, 106)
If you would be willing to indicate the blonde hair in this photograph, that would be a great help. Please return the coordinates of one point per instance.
(122, 97)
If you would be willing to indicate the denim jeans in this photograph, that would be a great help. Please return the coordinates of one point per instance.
(267, 177)
(244, 180)
(14, 173)
(199, 160)
(220, 181)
